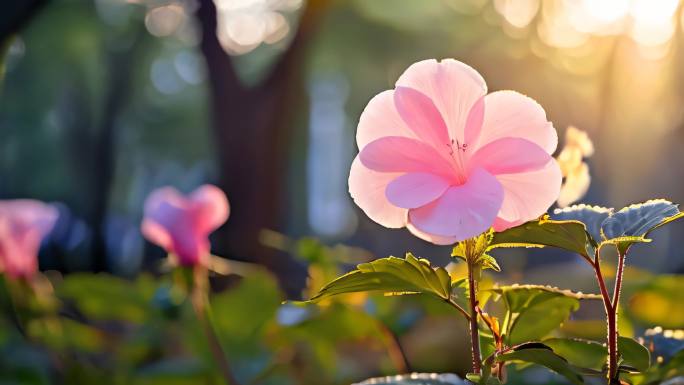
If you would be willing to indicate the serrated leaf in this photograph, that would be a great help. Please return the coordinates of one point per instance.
(567, 235)
(488, 262)
(416, 379)
(391, 275)
(535, 310)
(591, 216)
(634, 354)
(582, 353)
(639, 219)
(544, 357)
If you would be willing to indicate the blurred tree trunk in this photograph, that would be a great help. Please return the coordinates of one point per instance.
(253, 126)
(16, 14)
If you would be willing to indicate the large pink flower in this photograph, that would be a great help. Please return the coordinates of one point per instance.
(23, 225)
(181, 225)
(441, 157)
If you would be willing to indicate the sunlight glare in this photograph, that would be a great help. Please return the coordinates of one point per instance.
(518, 13)
(607, 11)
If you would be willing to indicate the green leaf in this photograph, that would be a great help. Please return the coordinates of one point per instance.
(391, 276)
(567, 235)
(482, 242)
(535, 311)
(581, 353)
(545, 357)
(634, 354)
(105, 297)
(416, 379)
(639, 219)
(591, 216)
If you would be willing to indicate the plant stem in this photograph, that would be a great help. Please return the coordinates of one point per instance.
(200, 304)
(474, 331)
(611, 308)
(394, 349)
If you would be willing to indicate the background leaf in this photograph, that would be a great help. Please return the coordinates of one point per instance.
(581, 353)
(544, 357)
(634, 354)
(535, 311)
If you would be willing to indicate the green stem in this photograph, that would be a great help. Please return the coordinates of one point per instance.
(200, 304)
(474, 330)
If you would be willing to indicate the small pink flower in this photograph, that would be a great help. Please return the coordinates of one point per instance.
(441, 157)
(181, 225)
(23, 225)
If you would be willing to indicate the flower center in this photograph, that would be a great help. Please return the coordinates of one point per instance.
(457, 151)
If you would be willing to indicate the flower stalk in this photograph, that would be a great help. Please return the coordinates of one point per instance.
(197, 282)
(474, 270)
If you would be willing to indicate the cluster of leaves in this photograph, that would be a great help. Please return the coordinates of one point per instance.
(532, 315)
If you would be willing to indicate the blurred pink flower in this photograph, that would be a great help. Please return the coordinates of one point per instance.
(181, 225)
(23, 225)
(441, 157)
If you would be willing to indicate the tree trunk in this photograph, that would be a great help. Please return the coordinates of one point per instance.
(252, 127)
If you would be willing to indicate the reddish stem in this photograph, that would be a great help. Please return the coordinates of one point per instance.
(611, 307)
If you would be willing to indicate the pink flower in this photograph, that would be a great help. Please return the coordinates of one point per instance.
(441, 157)
(181, 225)
(23, 225)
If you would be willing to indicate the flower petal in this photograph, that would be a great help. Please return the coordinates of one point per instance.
(436, 239)
(165, 208)
(474, 121)
(367, 188)
(23, 225)
(528, 195)
(31, 214)
(463, 211)
(454, 88)
(511, 114)
(211, 208)
(508, 156)
(415, 189)
(400, 154)
(379, 119)
(422, 117)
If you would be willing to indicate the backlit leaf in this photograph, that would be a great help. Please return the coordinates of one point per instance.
(416, 379)
(567, 235)
(591, 216)
(392, 276)
(639, 219)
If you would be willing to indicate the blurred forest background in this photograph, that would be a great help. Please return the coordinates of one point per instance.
(102, 101)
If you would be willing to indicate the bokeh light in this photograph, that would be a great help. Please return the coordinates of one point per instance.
(243, 25)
